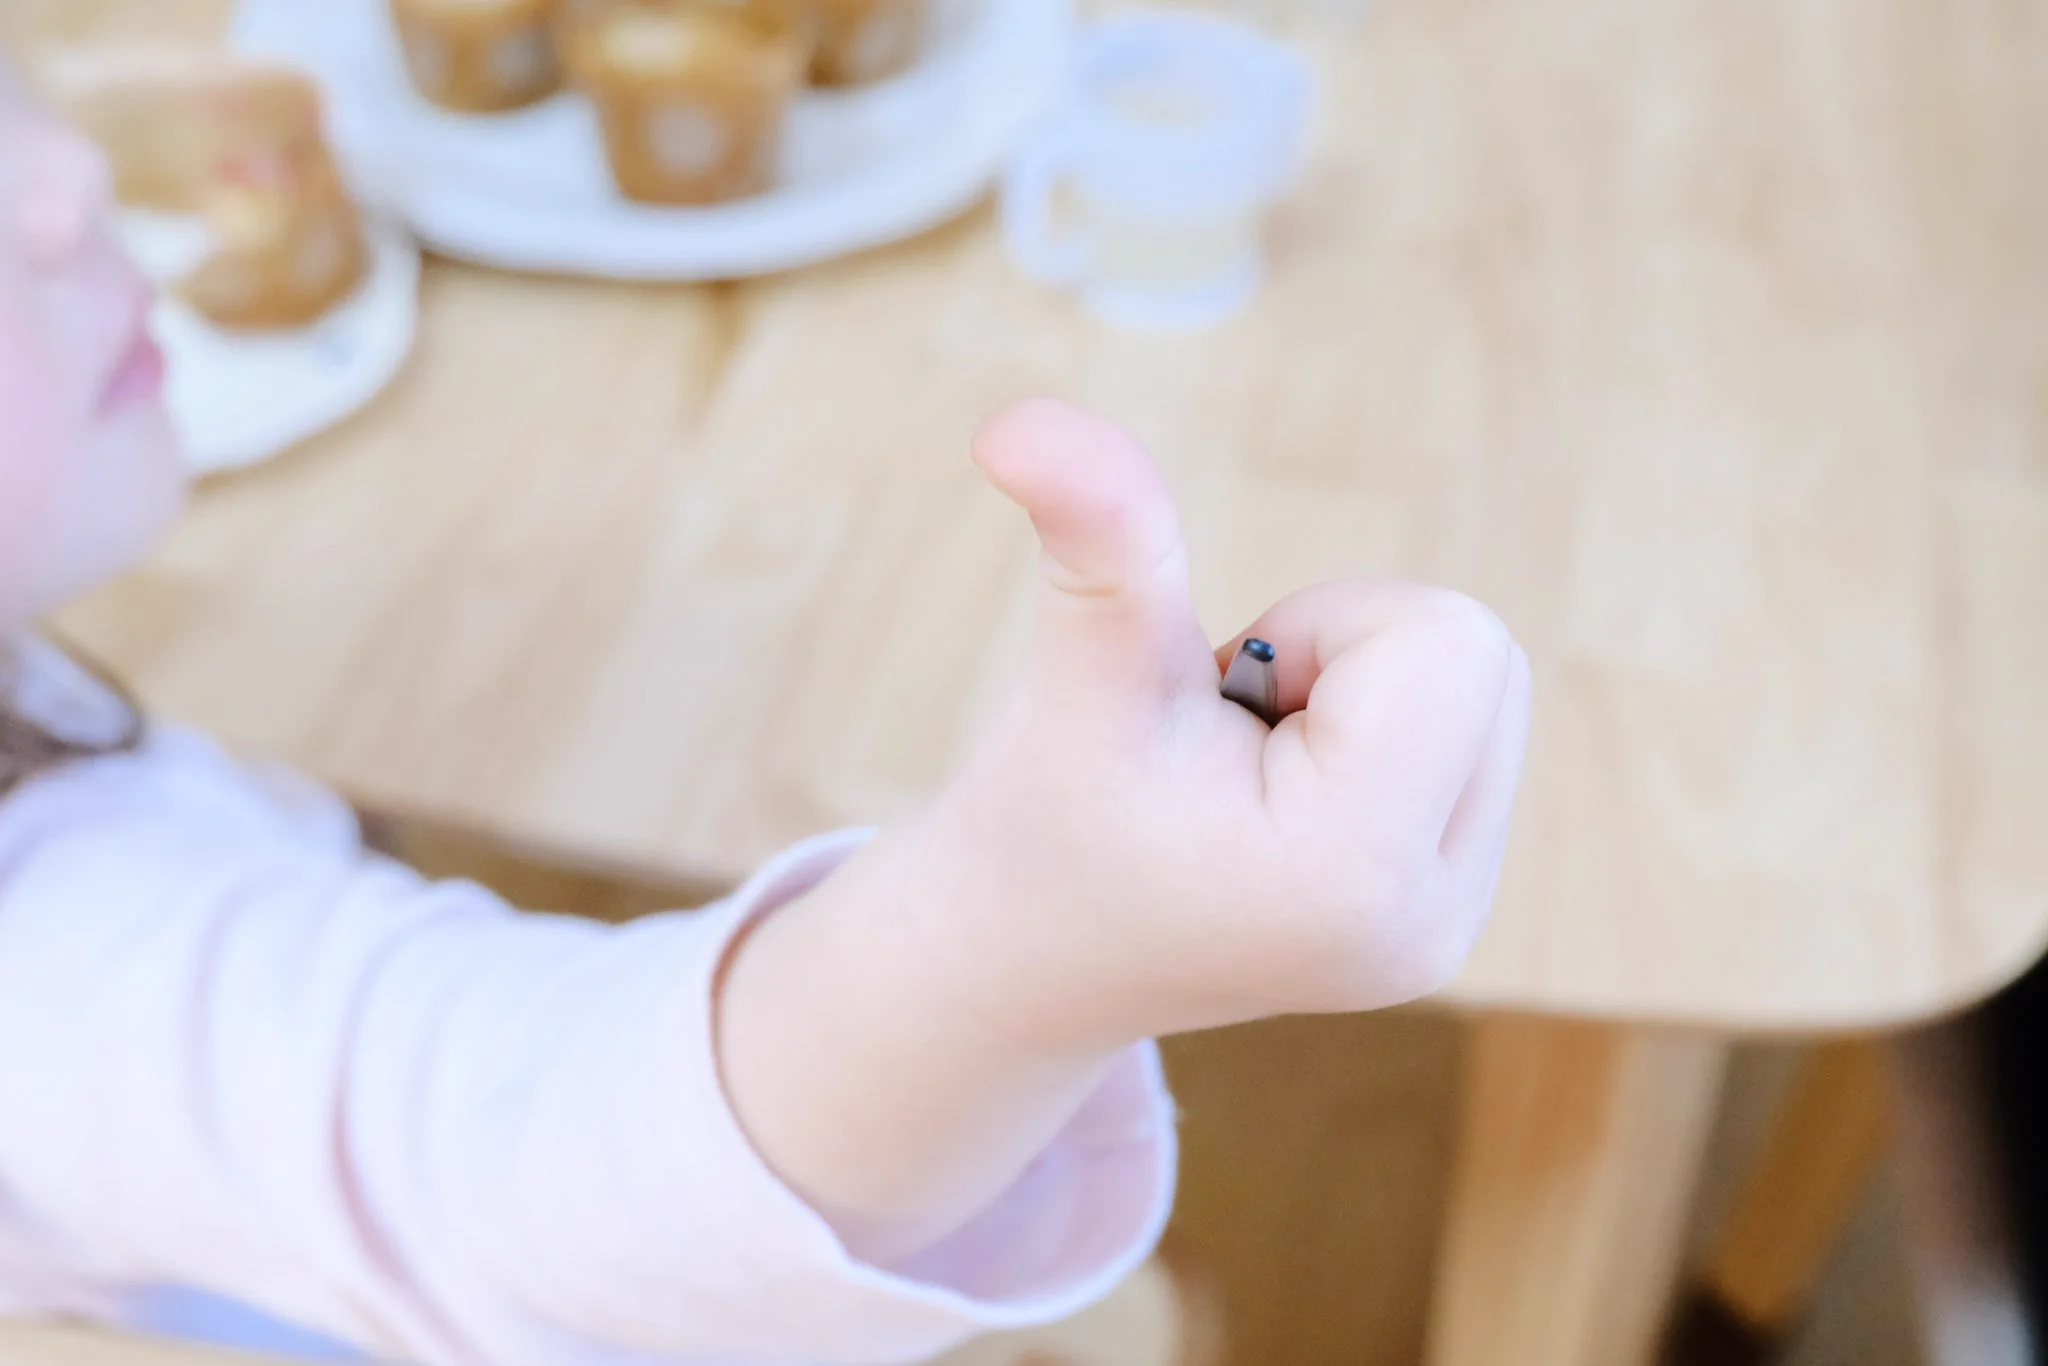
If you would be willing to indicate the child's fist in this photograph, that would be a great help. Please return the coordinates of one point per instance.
(1132, 855)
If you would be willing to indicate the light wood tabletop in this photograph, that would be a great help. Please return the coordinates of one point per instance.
(1707, 343)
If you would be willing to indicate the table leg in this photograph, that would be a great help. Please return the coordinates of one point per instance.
(1579, 1149)
(1766, 1260)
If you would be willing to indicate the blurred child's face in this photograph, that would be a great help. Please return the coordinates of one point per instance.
(89, 468)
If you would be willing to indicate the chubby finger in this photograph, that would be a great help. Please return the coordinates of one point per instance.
(1399, 689)
(1114, 606)
(1478, 826)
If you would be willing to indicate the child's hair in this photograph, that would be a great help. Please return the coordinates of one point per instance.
(30, 745)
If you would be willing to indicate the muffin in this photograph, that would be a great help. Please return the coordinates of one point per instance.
(690, 95)
(165, 115)
(290, 248)
(865, 40)
(480, 56)
(572, 16)
(239, 143)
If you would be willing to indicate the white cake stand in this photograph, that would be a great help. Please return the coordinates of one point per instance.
(530, 190)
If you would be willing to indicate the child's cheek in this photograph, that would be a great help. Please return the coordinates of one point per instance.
(32, 459)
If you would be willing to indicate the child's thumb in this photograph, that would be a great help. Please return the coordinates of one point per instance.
(1115, 616)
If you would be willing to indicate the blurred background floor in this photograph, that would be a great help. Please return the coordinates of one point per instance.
(1318, 1206)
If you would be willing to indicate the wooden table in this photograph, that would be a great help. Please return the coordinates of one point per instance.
(1708, 343)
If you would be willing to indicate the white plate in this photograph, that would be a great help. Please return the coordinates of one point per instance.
(530, 190)
(241, 397)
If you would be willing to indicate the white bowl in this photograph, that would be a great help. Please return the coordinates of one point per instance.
(530, 190)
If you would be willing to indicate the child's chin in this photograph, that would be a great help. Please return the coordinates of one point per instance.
(141, 434)
(145, 472)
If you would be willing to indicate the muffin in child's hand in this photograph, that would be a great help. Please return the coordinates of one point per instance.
(690, 95)
(480, 56)
(239, 143)
(865, 40)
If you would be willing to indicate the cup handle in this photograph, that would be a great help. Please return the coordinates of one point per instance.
(1028, 189)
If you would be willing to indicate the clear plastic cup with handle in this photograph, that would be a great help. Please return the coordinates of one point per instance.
(1147, 192)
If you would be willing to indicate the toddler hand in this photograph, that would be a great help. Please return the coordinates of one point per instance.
(1132, 855)
(1128, 855)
